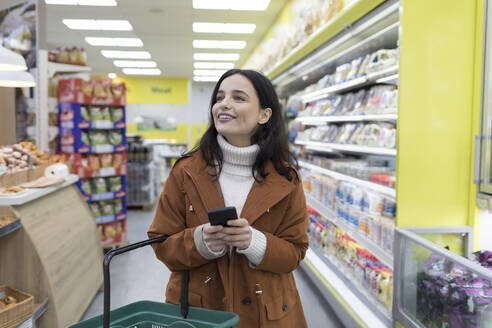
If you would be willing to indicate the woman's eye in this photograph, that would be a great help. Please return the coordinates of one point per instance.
(219, 98)
(239, 98)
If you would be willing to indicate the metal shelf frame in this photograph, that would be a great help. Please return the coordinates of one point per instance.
(322, 120)
(332, 147)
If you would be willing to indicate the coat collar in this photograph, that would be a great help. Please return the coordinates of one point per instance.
(260, 198)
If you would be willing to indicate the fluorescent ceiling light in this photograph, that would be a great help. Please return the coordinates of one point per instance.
(110, 3)
(219, 44)
(16, 79)
(215, 56)
(98, 24)
(206, 78)
(112, 75)
(213, 65)
(133, 63)
(224, 28)
(141, 71)
(11, 61)
(125, 54)
(231, 4)
(114, 42)
(208, 72)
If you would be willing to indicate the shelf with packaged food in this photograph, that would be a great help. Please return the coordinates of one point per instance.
(352, 304)
(321, 120)
(387, 191)
(357, 83)
(332, 147)
(383, 256)
(11, 227)
(54, 68)
(110, 218)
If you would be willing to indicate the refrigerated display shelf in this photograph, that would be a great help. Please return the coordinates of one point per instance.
(11, 227)
(357, 83)
(382, 255)
(321, 120)
(353, 307)
(336, 265)
(332, 147)
(339, 176)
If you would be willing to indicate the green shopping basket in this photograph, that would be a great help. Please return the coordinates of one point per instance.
(147, 314)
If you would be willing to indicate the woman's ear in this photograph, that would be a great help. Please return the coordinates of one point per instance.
(265, 114)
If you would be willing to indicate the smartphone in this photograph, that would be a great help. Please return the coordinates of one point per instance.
(219, 216)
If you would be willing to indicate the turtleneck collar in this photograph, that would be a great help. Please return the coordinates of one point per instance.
(243, 156)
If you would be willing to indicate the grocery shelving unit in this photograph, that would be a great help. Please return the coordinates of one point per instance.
(331, 147)
(54, 68)
(388, 191)
(362, 27)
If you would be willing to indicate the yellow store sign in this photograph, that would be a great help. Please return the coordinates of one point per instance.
(155, 90)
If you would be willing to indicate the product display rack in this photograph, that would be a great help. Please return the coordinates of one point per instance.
(339, 176)
(100, 165)
(370, 26)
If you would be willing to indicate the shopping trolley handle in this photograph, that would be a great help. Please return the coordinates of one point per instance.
(107, 286)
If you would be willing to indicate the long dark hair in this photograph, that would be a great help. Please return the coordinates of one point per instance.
(271, 137)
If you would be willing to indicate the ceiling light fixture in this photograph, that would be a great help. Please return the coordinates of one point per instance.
(219, 44)
(215, 56)
(208, 72)
(231, 4)
(142, 71)
(134, 63)
(206, 78)
(213, 65)
(109, 3)
(126, 54)
(98, 24)
(234, 28)
(112, 75)
(114, 42)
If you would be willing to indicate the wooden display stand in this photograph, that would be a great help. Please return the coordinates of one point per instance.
(56, 255)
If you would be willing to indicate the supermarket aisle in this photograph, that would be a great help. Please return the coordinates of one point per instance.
(138, 275)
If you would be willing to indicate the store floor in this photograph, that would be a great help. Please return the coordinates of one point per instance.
(138, 275)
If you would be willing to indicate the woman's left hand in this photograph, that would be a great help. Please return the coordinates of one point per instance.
(238, 233)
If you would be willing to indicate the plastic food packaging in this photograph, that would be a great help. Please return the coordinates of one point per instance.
(107, 208)
(116, 114)
(105, 114)
(118, 206)
(84, 112)
(117, 160)
(85, 138)
(100, 185)
(86, 186)
(97, 138)
(115, 137)
(94, 163)
(115, 184)
(96, 113)
(106, 160)
(95, 209)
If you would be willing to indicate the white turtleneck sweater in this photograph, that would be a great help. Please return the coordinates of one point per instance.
(235, 181)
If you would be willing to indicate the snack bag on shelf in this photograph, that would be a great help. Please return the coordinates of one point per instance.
(85, 113)
(105, 115)
(116, 114)
(95, 113)
(62, 56)
(94, 163)
(100, 185)
(118, 89)
(107, 208)
(115, 137)
(88, 89)
(118, 206)
(82, 57)
(84, 136)
(363, 66)
(86, 186)
(115, 184)
(98, 138)
(117, 160)
(73, 56)
(95, 209)
(106, 160)
(100, 89)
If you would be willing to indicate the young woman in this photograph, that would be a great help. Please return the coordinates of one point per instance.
(242, 160)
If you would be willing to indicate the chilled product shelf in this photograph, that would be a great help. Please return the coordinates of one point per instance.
(339, 176)
(331, 147)
(317, 120)
(383, 256)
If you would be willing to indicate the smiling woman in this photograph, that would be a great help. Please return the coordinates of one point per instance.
(242, 161)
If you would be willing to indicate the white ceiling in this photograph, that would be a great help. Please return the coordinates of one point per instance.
(165, 27)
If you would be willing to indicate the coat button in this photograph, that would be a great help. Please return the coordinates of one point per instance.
(246, 301)
(284, 308)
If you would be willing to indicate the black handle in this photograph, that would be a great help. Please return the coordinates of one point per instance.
(107, 286)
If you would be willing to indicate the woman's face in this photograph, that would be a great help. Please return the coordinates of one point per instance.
(237, 111)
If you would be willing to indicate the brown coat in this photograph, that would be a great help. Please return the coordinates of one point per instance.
(276, 207)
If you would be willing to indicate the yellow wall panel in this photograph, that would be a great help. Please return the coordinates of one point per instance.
(435, 112)
(156, 90)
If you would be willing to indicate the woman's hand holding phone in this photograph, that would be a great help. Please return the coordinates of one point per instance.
(213, 236)
(237, 233)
